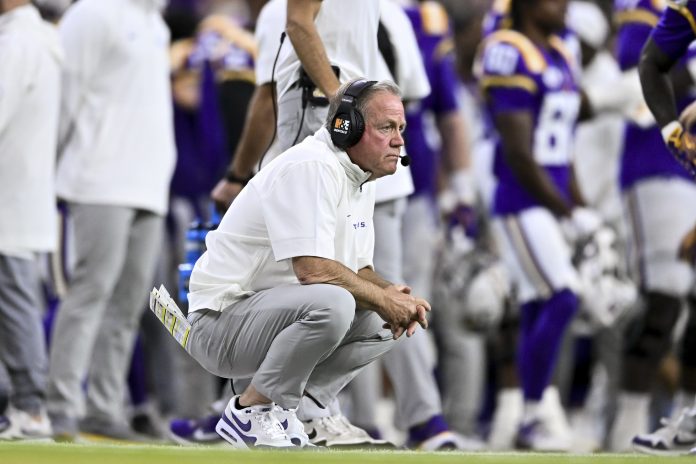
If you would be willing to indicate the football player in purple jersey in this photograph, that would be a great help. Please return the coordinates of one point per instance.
(652, 183)
(668, 43)
(662, 72)
(528, 78)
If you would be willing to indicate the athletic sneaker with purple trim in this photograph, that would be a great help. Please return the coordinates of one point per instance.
(293, 427)
(676, 437)
(252, 427)
(195, 431)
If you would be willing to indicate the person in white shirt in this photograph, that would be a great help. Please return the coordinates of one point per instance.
(274, 298)
(31, 59)
(117, 154)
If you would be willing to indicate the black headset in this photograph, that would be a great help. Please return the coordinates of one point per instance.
(348, 125)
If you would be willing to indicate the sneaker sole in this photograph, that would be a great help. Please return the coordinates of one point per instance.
(658, 452)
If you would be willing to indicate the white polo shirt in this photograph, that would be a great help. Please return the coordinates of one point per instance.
(30, 67)
(310, 201)
(117, 105)
(348, 30)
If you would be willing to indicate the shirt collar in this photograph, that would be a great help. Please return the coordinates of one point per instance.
(27, 11)
(355, 174)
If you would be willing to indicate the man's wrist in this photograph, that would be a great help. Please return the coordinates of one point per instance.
(231, 176)
(669, 130)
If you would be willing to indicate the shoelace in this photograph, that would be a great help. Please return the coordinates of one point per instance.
(348, 428)
(270, 424)
(332, 426)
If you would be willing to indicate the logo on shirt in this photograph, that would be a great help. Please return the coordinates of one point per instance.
(359, 225)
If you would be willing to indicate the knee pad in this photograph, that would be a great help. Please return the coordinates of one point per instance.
(651, 337)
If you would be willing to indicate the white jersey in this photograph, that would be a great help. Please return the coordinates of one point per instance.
(117, 111)
(310, 201)
(348, 30)
(31, 59)
(412, 80)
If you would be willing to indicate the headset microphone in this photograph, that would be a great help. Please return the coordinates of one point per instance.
(405, 160)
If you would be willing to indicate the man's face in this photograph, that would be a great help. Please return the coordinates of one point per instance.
(380, 146)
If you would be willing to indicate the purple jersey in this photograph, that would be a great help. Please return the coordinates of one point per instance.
(516, 75)
(497, 17)
(438, 60)
(644, 153)
(676, 29)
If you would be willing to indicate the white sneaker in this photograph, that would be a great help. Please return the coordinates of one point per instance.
(674, 438)
(506, 419)
(338, 431)
(24, 426)
(252, 427)
(449, 440)
(537, 435)
(294, 428)
(631, 420)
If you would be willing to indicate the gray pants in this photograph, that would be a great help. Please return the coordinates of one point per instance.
(410, 364)
(116, 250)
(290, 339)
(22, 345)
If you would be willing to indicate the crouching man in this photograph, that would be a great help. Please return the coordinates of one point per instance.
(286, 294)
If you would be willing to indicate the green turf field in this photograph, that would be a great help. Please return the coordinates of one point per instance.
(25, 453)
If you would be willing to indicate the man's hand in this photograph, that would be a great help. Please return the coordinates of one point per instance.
(581, 224)
(681, 145)
(402, 312)
(224, 193)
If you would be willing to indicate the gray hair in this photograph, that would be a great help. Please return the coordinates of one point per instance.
(362, 100)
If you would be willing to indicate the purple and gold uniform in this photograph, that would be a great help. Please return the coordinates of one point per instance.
(516, 75)
(645, 154)
(653, 182)
(435, 42)
(676, 29)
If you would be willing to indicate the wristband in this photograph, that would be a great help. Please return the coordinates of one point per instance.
(235, 179)
(669, 130)
(463, 183)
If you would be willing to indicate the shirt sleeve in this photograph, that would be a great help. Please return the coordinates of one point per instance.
(505, 81)
(674, 33)
(12, 78)
(445, 81)
(300, 209)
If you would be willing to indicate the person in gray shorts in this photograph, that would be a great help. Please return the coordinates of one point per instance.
(286, 294)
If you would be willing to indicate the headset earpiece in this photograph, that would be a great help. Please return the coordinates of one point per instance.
(348, 125)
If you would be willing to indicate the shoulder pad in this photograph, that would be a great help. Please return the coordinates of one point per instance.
(501, 6)
(532, 57)
(434, 18)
